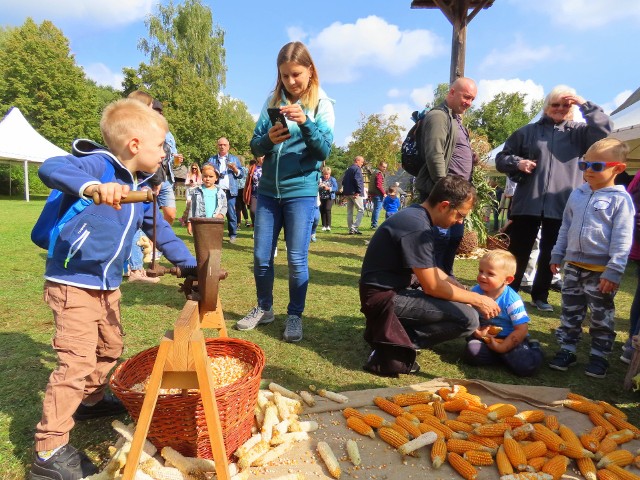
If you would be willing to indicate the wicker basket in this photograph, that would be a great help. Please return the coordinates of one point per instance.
(499, 241)
(178, 419)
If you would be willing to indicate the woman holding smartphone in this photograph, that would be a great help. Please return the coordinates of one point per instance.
(293, 154)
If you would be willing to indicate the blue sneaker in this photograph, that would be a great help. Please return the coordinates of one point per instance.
(563, 360)
(597, 367)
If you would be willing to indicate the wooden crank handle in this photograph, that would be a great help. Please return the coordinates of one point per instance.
(134, 196)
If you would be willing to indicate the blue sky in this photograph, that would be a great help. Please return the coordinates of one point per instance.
(377, 56)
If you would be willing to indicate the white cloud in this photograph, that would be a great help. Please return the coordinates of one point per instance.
(518, 56)
(403, 111)
(584, 14)
(394, 93)
(296, 34)
(422, 95)
(487, 89)
(617, 101)
(102, 75)
(113, 12)
(343, 50)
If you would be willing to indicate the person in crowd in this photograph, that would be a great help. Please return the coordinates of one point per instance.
(316, 219)
(353, 191)
(194, 177)
(288, 188)
(593, 242)
(391, 202)
(207, 200)
(173, 159)
(543, 158)
(510, 344)
(251, 186)
(634, 256)
(241, 206)
(445, 148)
(231, 171)
(327, 190)
(399, 318)
(377, 192)
(89, 338)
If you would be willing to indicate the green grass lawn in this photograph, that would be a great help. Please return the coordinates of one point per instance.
(330, 355)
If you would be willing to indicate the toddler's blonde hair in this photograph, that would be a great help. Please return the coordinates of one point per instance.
(501, 259)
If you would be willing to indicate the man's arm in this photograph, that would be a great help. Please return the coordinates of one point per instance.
(435, 283)
(433, 138)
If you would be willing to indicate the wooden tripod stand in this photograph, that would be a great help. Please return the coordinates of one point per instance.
(182, 360)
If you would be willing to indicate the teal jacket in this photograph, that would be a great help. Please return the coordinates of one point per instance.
(292, 168)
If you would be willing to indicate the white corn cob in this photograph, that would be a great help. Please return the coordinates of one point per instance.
(290, 437)
(307, 398)
(252, 455)
(273, 454)
(426, 438)
(127, 432)
(274, 387)
(246, 446)
(270, 420)
(329, 459)
(353, 453)
(336, 397)
(307, 426)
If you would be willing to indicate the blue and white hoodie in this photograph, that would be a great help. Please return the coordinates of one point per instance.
(292, 168)
(597, 229)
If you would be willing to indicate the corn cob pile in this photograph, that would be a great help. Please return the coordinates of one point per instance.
(529, 444)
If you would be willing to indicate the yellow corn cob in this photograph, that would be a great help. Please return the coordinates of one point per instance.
(589, 441)
(620, 457)
(551, 422)
(411, 428)
(587, 468)
(599, 432)
(513, 422)
(411, 417)
(606, 445)
(608, 408)
(527, 476)
(531, 416)
(405, 399)
(444, 392)
(494, 406)
(439, 411)
(503, 463)
(551, 440)
(420, 441)
(537, 462)
(474, 400)
(605, 474)
(486, 441)
(622, 424)
(457, 426)
(455, 405)
(424, 428)
(329, 459)
(421, 408)
(469, 416)
(534, 449)
(375, 421)
(392, 437)
(461, 446)
(583, 407)
(478, 409)
(357, 425)
(636, 460)
(573, 447)
(556, 466)
(352, 412)
(599, 420)
(579, 398)
(387, 406)
(432, 420)
(399, 429)
(491, 429)
(514, 452)
(460, 465)
(622, 473)
(438, 452)
(523, 432)
(353, 453)
(504, 410)
(621, 436)
(475, 457)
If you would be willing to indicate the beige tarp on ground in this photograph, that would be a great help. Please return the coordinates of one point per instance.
(380, 462)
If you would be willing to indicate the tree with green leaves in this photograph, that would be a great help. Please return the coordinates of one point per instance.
(377, 139)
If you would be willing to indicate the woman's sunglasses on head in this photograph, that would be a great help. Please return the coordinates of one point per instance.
(596, 166)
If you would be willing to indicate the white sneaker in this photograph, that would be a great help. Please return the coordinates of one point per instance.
(275, 252)
(255, 317)
(324, 229)
(292, 329)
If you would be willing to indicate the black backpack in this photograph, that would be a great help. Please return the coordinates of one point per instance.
(409, 152)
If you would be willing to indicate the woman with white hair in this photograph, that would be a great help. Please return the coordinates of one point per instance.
(542, 157)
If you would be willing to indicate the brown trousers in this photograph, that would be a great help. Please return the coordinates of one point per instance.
(88, 342)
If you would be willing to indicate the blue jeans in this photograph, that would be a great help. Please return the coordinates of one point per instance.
(232, 220)
(316, 220)
(167, 197)
(135, 260)
(296, 216)
(377, 206)
(446, 244)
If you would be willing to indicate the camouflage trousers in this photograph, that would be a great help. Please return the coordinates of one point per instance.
(579, 292)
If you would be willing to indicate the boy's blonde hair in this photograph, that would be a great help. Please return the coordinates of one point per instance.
(614, 147)
(141, 96)
(210, 168)
(124, 119)
(326, 170)
(501, 259)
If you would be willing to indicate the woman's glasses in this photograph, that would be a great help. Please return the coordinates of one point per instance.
(596, 166)
(558, 105)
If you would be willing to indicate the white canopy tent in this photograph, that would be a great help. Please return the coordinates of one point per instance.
(626, 127)
(19, 142)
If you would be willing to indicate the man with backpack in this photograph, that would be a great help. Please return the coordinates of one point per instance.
(377, 192)
(444, 148)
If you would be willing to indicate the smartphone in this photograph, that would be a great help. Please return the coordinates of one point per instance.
(277, 117)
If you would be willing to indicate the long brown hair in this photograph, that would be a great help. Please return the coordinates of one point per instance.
(298, 53)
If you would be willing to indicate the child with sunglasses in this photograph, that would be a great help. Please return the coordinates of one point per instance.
(594, 242)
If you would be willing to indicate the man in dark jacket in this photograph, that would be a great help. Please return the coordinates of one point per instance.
(353, 191)
(377, 192)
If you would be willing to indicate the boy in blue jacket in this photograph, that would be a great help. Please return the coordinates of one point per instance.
(83, 274)
(594, 242)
